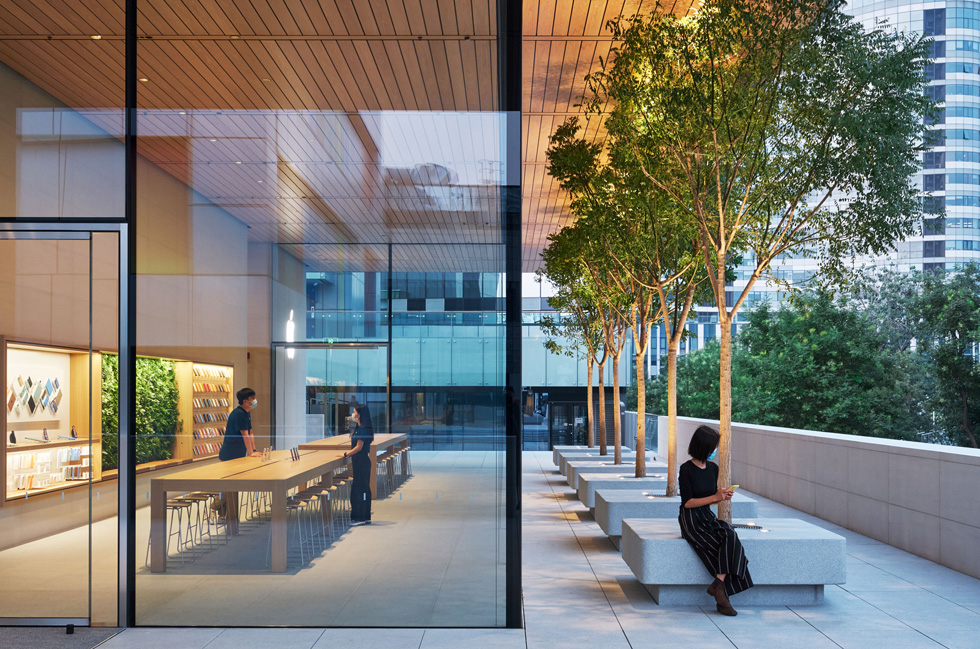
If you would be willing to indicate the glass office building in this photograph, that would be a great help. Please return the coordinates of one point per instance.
(319, 201)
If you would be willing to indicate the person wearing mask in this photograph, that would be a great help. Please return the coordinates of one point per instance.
(360, 454)
(714, 541)
(238, 441)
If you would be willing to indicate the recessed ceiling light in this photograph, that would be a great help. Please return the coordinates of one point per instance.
(266, 79)
(212, 140)
(181, 112)
(236, 36)
(238, 162)
(260, 181)
(96, 37)
(143, 79)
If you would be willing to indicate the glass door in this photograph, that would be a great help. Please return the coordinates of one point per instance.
(52, 425)
(317, 384)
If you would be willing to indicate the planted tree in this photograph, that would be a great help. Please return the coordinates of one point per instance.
(950, 316)
(642, 255)
(578, 326)
(779, 128)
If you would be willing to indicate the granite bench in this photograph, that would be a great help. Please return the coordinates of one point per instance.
(790, 561)
(575, 467)
(613, 505)
(589, 482)
(627, 456)
(556, 451)
(560, 456)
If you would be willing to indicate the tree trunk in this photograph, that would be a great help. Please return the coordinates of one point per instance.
(641, 415)
(672, 350)
(966, 419)
(725, 415)
(617, 413)
(602, 410)
(589, 422)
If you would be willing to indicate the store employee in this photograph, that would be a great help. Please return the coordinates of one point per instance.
(238, 441)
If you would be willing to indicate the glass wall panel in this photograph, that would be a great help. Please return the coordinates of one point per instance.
(61, 163)
(58, 507)
(320, 222)
(61, 97)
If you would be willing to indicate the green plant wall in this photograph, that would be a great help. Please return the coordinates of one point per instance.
(157, 416)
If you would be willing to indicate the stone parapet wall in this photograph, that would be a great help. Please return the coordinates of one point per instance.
(921, 498)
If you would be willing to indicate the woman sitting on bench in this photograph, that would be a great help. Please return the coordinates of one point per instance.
(714, 541)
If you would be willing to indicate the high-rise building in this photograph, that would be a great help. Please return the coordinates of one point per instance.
(950, 170)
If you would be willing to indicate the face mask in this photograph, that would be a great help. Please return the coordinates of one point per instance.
(255, 402)
(713, 455)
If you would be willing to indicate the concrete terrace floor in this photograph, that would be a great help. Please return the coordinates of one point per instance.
(579, 593)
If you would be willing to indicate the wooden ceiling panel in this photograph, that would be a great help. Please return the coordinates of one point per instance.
(297, 90)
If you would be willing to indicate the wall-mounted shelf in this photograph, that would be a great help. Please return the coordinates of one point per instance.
(205, 402)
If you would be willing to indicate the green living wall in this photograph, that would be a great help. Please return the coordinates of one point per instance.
(157, 417)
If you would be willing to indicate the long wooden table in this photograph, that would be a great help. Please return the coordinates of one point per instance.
(243, 474)
(380, 443)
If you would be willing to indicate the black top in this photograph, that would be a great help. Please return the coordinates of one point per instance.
(696, 482)
(233, 445)
(362, 434)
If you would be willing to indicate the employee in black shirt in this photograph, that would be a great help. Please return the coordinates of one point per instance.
(360, 454)
(714, 541)
(238, 440)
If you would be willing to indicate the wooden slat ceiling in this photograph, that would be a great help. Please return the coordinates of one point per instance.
(281, 111)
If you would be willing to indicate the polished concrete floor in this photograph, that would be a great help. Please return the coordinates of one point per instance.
(579, 593)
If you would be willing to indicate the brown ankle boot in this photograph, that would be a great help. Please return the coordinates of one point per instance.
(723, 605)
(714, 586)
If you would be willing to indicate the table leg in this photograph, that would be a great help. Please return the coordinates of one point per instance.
(277, 562)
(373, 478)
(158, 529)
(231, 513)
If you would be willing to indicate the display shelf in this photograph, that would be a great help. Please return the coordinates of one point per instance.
(60, 380)
(34, 446)
(206, 401)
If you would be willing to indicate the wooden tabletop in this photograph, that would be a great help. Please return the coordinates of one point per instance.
(343, 441)
(250, 473)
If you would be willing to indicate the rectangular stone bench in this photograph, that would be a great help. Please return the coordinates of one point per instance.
(589, 482)
(790, 561)
(575, 467)
(613, 505)
(561, 455)
(628, 456)
(556, 451)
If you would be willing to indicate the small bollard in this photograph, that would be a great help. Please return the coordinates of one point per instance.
(70, 629)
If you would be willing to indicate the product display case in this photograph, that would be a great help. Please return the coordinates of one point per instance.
(51, 439)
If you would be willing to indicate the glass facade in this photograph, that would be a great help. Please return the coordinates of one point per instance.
(315, 205)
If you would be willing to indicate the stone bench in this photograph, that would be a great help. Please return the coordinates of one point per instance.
(589, 482)
(613, 505)
(790, 561)
(575, 467)
(556, 451)
(561, 454)
(627, 456)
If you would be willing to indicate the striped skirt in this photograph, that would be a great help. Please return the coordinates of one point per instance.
(718, 547)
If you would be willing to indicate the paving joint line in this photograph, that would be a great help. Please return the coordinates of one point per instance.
(812, 626)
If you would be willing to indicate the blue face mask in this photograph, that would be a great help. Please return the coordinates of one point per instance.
(713, 455)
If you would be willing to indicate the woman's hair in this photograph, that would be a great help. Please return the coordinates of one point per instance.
(365, 416)
(703, 442)
(244, 393)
